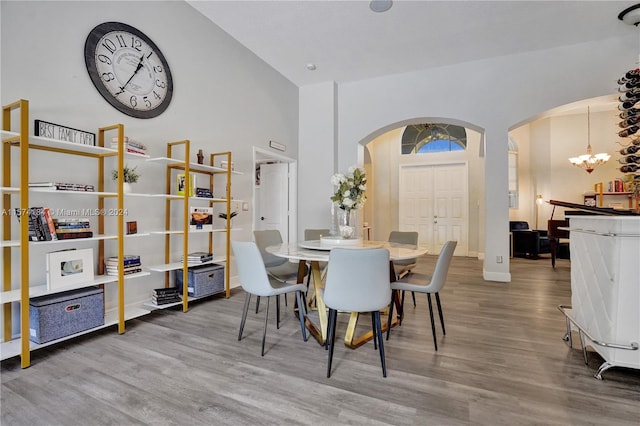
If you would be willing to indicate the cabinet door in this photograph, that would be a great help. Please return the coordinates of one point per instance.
(273, 204)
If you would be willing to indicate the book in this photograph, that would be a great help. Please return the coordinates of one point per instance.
(181, 182)
(132, 271)
(128, 259)
(50, 224)
(72, 235)
(166, 290)
(201, 218)
(176, 299)
(32, 231)
(204, 193)
(71, 230)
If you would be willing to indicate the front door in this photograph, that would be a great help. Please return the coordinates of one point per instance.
(433, 201)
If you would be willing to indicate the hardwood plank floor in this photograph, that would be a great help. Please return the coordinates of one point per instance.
(503, 361)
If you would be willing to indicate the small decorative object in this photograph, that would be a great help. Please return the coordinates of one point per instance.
(68, 267)
(132, 227)
(349, 197)
(200, 156)
(181, 182)
(130, 176)
(224, 215)
(63, 133)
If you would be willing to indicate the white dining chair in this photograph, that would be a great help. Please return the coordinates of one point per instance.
(357, 281)
(254, 280)
(278, 268)
(313, 235)
(421, 283)
(404, 266)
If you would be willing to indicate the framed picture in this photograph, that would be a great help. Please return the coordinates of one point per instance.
(201, 218)
(68, 267)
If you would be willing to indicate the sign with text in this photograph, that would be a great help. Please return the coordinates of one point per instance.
(63, 133)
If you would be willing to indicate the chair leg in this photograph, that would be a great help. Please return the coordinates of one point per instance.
(394, 297)
(257, 303)
(278, 312)
(378, 327)
(266, 317)
(413, 296)
(373, 330)
(299, 299)
(331, 336)
(247, 300)
(440, 312)
(433, 324)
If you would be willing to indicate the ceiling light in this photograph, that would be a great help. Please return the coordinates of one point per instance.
(311, 66)
(630, 15)
(380, 5)
(589, 161)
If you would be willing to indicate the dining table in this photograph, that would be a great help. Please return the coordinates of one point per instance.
(314, 252)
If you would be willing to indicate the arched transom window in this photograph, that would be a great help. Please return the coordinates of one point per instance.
(433, 137)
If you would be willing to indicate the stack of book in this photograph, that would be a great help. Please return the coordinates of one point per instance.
(132, 264)
(60, 186)
(130, 146)
(41, 224)
(165, 295)
(198, 258)
(72, 227)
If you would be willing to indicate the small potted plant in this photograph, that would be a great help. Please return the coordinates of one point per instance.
(130, 176)
(223, 216)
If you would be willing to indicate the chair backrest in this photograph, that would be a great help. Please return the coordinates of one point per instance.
(251, 269)
(358, 280)
(404, 237)
(518, 225)
(554, 232)
(442, 266)
(315, 234)
(265, 239)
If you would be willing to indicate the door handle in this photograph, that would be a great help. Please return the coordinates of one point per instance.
(261, 217)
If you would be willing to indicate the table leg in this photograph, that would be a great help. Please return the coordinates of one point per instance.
(318, 331)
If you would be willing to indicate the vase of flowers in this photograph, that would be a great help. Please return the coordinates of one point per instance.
(349, 197)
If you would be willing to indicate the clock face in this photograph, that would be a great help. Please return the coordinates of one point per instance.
(128, 70)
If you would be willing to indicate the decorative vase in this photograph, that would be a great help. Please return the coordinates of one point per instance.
(347, 223)
(200, 156)
(127, 188)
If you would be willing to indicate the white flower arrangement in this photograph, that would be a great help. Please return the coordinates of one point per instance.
(350, 191)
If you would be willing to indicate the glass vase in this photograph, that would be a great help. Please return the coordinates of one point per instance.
(347, 224)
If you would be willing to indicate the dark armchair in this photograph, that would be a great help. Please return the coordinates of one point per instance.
(528, 242)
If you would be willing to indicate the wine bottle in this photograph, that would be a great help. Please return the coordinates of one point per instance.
(629, 113)
(630, 75)
(628, 85)
(631, 149)
(630, 168)
(624, 106)
(629, 159)
(628, 132)
(631, 95)
(629, 121)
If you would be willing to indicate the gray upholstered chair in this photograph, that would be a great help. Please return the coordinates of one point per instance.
(278, 268)
(254, 280)
(421, 283)
(357, 281)
(404, 267)
(313, 235)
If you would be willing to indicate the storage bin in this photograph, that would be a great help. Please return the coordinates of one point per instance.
(203, 279)
(62, 314)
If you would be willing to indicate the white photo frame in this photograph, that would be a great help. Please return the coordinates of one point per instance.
(68, 267)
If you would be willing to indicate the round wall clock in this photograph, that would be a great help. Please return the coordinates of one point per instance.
(128, 70)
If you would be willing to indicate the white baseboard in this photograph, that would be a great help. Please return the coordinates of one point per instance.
(503, 277)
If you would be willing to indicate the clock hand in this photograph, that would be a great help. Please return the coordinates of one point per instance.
(133, 75)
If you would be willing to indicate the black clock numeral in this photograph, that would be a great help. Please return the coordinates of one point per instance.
(121, 91)
(121, 41)
(108, 76)
(147, 102)
(157, 68)
(161, 84)
(137, 44)
(104, 59)
(133, 101)
(155, 95)
(149, 55)
(109, 45)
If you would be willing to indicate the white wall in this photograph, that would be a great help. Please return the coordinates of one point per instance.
(225, 98)
(495, 95)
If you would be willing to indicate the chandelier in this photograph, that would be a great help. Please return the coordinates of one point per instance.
(589, 161)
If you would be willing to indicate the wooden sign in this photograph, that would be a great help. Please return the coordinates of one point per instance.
(63, 133)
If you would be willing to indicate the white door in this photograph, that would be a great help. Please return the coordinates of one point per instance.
(274, 198)
(433, 201)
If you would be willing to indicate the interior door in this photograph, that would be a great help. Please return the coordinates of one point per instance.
(434, 202)
(274, 198)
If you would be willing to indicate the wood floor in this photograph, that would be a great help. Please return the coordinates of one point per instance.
(502, 362)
